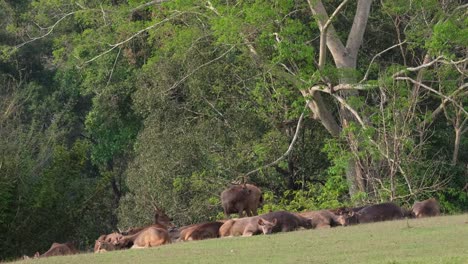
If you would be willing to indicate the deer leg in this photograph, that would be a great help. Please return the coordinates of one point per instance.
(247, 234)
(226, 215)
(254, 211)
(248, 211)
(240, 209)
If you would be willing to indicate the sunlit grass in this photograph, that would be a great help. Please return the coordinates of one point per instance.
(430, 240)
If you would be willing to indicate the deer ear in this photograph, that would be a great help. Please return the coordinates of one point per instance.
(351, 213)
(260, 221)
(275, 221)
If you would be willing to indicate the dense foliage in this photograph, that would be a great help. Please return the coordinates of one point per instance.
(110, 109)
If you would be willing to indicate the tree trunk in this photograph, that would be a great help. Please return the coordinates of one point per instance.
(460, 128)
(116, 189)
(354, 174)
(345, 58)
(456, 146)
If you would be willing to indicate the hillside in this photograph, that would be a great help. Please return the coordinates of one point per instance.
(431, 240)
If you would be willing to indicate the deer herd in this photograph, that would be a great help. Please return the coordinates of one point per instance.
(240, 199)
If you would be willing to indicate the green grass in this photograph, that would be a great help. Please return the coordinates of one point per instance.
(431, 240)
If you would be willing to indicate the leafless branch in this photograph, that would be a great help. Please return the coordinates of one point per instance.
(378, 55)
(148, 4)
(461, 7)
(434, 91)
(113, 67)
(196, 69)
(333, 42)
(462, 125)
(210, 6)
(50, 29)
(103, 15)
(290, 148)
(456, 63)
(439, 109)
(323, 35)
(113, 46)
(429, 64)
(340, 87)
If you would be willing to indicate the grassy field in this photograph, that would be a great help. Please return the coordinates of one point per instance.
(430, 240)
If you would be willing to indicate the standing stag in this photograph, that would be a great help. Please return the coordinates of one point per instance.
(240, 198)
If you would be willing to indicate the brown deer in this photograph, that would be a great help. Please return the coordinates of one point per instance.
(58, 249)
(324, 219)
(149, 237)
(247, 226)
(426, 208)
(161, 220)
(240, 198)
(110, 239)
(377, 213)
(104, 246)
(200, 231)
(286, 221)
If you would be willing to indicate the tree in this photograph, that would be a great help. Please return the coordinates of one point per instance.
(269, 33)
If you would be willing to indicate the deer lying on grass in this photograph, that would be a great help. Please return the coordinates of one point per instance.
(247, 226)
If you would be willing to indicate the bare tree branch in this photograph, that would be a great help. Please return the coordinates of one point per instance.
(323, 35)
(113, 67)
(333, 42)
(461, 7)
(113, 46)
(103, 14)
(434, 91)
(196, 69)
(463, 125)
(342, 102)
(321, 112)
(290, 148)
(439, 109)
(50, 29)
(429, 64)
(148, 4)
(378, 55)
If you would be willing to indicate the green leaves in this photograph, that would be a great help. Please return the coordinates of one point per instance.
(112, 124)
(227, 29)
(447, 35)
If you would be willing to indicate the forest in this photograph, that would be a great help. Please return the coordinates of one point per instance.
(111, 109)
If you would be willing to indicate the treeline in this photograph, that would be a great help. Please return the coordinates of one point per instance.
(110, 109)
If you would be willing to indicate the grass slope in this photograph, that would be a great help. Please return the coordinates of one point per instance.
(430, 240)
